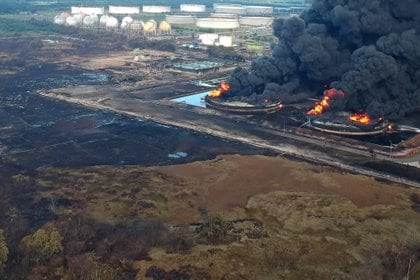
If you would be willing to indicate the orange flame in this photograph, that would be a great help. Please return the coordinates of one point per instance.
(220, 90)
(362, 118)
(324, 104)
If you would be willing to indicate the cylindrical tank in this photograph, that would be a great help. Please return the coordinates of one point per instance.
(225, 41)
(61, 18)
(88, 10)
(126, 21)
(91, 20)
(256, 21)
(208, 39)
(180, 19)
(164, 27)
(217, 23)
(121, 10)
(218, 15)
(192, 8)
(150, 27)
(111, 22)
(259, 10)
(156, 9)
(137, 26)
(73, 21)
(230, 9)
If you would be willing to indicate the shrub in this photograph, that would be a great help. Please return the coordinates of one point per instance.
(4, 251)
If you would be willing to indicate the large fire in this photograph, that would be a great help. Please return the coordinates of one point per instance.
(324, 104)
(362, 118)
(224, 87)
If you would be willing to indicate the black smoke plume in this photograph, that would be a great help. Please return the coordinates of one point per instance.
(369, 49)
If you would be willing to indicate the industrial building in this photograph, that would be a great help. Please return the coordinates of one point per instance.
(88, 10)
(192, 8)
(121, 10)
(180, 19)
(217, 23)
(255, 21)
(152, 9)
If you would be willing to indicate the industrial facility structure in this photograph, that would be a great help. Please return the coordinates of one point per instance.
(217, 23)
(180, 19)
(121, 10)
(153, 9)
(88, 10)
(192, 8)
(255, 21)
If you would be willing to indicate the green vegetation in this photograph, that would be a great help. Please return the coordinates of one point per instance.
(14, 25)
(40, 246)
(4, 251)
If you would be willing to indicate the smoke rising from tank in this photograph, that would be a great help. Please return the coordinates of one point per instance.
(368, 49)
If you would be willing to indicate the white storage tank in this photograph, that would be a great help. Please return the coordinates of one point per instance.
(152, 9)
(123, 10)
(111, 22)
(225, 41)
(217, 23)
(164, 27)
(61, 18)
(208, 39)
(180, 19)
(137, 26)
(230, 9)
(74, 20)
(150, 27)
(91, 20)
(103, 19)
(88, 10)
(259, 10)
(126, 21)
(256, 21)
(219, 15)
(192, 8)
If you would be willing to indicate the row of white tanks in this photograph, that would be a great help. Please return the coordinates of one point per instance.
(111, 22)
(188, 8)
(219, 21)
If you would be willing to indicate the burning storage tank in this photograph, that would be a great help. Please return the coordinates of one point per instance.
(255, 21)
(215, 100)
(180, 19)
(192, 8)
(259, 10)
(152, 9)
(123, 10)
(91, 20)
(230, 9)
(126, 21)
(217, 23)
(164, 27)
(61, 18)
(150, 27)
(88, 10)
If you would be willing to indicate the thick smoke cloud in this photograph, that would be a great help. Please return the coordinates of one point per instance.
(369, 49)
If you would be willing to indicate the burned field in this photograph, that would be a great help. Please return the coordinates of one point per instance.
(88, 193)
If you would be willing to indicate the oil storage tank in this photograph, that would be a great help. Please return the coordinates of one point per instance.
(126, 21)
(217, 23)
(150, 27)
(259, 10)
(180, 19)
(137, 26)
(225, 41)
(123, 10)
(61, 18)
(90, 20)
(153, 9)
(192, 8)
(164, 27)
(88, 10)
(255, 21)
(208, 39)
(230, 9)
(111, 22)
